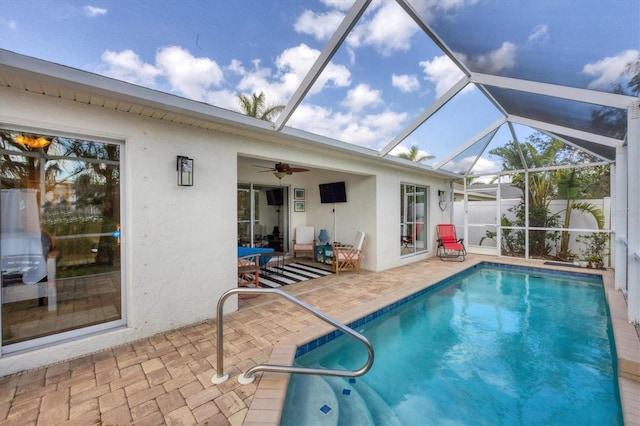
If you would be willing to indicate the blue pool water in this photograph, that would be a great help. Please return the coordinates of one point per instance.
(492, 346)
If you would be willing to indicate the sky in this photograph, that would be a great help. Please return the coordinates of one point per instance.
(386, 73)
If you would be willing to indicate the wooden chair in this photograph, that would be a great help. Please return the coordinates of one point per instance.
(304, 241)
(249, 271)
(348, 257)
(449, 245)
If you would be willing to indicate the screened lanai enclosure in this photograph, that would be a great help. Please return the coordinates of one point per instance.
(529, 108)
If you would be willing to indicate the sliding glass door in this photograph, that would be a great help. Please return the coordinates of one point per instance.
(263, 216)
(60, 252)
(413, 232)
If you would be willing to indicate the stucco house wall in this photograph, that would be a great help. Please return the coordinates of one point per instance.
(179, 242)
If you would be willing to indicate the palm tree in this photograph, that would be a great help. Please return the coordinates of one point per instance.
(255, 106)
(570, 186)
(415, 156)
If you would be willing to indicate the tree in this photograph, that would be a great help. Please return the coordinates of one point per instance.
(571, 186)
(566, 184)
(537, 152)
(415, 156)
(255, 106)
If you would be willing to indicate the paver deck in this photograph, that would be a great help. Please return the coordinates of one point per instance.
(166, 379)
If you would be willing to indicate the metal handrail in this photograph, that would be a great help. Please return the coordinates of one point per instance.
(249, 376)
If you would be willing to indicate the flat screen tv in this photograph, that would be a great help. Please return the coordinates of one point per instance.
(333, 192)
(274, 197)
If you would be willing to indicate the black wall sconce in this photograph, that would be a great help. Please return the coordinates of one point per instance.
(442, 199)
(185, 171)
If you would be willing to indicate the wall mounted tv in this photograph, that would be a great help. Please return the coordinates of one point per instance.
(274, 197)
(333, 192)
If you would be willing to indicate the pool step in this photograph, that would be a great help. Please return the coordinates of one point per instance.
(327, 400)
(353, 408)
(380, 411)
(311, 401)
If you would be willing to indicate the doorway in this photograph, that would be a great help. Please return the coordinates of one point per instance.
(263, 216)
(413, 205)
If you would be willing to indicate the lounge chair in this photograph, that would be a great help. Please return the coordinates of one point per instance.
(449, 245)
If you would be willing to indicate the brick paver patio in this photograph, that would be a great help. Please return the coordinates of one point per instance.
(166, 379)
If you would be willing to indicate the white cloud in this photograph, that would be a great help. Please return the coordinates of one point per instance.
(127, 66)
(338, 4)
(11, 24)
(389, 121)
(257, 80)
(294, 63)
(291, 67)
(372, 131)
(388, 30)
(540, 33)
(319, 25)
(503, 58)
(442, 72)
(237, 67)
(223, 99)
(187, 74)
(482, 165)
(92, 12)
(405, 82)
(362, 96)
(610, 70)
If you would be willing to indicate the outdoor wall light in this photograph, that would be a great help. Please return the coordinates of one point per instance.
(185, 171)
(442, 199)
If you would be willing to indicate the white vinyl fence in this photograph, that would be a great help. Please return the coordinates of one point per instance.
(483, 217)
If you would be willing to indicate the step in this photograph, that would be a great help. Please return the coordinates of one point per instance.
(379, 409)
(353, 408)
(310, 401)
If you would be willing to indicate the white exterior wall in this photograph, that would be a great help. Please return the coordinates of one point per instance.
(179, 242)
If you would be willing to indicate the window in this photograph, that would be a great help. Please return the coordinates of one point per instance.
(61, 251)
(413, 232)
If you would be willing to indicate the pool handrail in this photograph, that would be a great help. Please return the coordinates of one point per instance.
(249, 376)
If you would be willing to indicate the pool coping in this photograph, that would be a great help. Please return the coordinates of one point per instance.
(268, 401)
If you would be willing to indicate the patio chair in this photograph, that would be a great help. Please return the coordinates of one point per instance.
(249, 270)
(449, 245)
(348, 257)
(304, 241)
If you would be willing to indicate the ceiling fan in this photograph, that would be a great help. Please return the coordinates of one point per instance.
(280, 170)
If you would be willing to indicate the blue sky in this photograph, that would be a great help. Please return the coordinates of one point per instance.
(386, 73)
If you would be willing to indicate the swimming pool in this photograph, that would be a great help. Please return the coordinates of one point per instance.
(492, 345)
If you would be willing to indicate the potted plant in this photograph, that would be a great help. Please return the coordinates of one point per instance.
(595, 248)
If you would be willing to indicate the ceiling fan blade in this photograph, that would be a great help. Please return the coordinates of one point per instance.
(282, 167)
(264, 167)
(297, 169)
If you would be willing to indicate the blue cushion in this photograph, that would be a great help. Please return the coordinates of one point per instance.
(245, 251)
